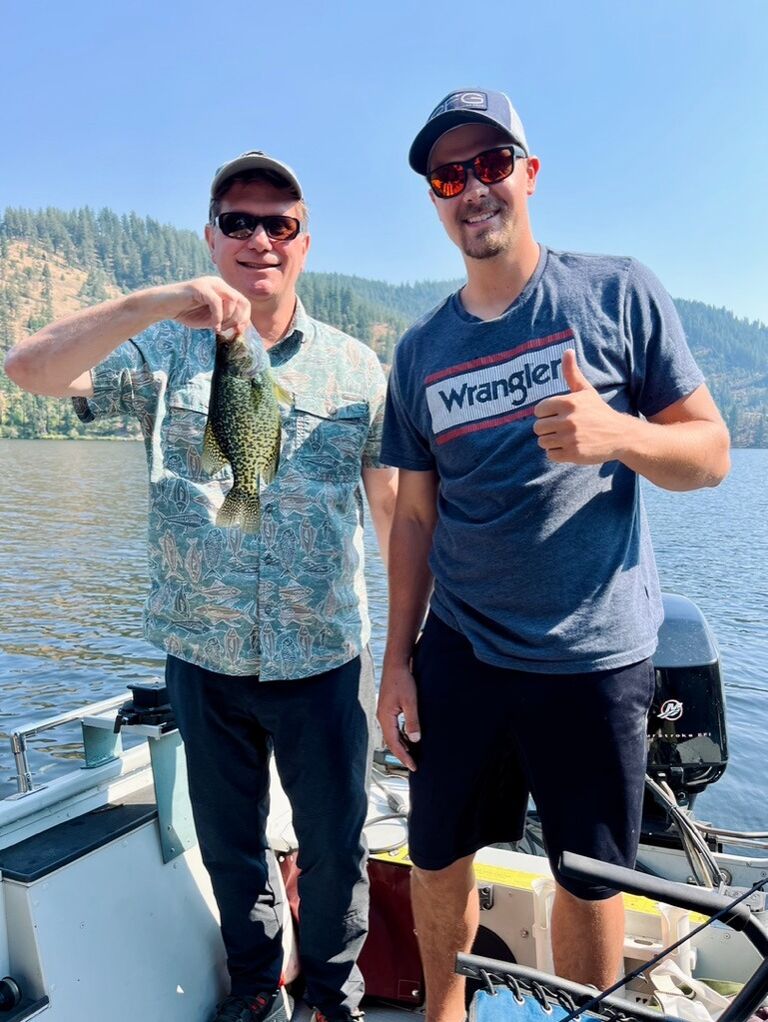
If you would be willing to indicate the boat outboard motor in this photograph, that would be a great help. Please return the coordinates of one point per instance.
(148, 704)
(686, 725)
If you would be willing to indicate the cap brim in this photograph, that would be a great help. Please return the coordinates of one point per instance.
(254, 162)
(418, 155)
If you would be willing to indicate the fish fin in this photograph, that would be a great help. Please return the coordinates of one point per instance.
(269, 472)
(284, 397)
(239, 508)
(213, 456)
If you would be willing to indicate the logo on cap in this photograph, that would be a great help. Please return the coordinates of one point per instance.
(461, 101)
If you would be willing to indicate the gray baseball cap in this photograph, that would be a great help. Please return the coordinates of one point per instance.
(467, 106)
(255, 160)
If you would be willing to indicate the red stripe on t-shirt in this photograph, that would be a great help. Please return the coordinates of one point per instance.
(474, 427)
(489, 360)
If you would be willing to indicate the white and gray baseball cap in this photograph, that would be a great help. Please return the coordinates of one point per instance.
(466, 106)
(255, 160)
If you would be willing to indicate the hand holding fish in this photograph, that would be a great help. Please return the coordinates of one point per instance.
(579, 427)
(58, 358)
(205, 302)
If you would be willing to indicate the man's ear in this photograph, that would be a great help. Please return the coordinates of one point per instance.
(531, 171)
(306, 241)
(208, 231)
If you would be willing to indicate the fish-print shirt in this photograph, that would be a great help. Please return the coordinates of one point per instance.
(290, 601)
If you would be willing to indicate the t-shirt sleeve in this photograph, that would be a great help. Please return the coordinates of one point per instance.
(404, 445)
(663, 369)
(116, 382)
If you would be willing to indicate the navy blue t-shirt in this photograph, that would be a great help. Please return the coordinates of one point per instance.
(543, 566)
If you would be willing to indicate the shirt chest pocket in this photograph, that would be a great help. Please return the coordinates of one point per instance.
(329, 439)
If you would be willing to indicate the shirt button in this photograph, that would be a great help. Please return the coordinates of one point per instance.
(269, 559)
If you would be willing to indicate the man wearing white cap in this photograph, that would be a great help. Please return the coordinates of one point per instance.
(266, 635)
(521, 413)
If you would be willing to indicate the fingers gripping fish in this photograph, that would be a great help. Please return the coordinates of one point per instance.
(243, 428)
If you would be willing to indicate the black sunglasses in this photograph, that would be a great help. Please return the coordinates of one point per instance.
(242, 225)
(490, 167)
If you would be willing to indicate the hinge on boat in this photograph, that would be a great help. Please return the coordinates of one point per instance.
(485, 894)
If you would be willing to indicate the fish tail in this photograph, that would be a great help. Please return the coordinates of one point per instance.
(240, 508)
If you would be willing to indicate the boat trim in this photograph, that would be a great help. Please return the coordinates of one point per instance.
(19, 738)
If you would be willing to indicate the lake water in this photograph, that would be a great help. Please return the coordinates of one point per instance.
(72, 578)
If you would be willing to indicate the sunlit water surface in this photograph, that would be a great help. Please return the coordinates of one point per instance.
(73, 574)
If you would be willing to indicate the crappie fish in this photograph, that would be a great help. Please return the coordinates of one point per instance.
(243, 428)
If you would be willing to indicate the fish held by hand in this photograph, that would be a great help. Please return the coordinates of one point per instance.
(243, 428)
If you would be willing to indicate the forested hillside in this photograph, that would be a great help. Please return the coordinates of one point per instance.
(54, 262)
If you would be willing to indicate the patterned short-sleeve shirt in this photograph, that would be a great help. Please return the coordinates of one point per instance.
(290, 601)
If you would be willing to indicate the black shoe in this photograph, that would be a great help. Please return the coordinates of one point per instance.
(346, 1016)
(274, 1007)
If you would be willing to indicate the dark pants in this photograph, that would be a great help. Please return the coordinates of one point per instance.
(319, 729)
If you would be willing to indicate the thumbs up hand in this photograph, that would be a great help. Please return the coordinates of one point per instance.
(578, 427)
(572, 375)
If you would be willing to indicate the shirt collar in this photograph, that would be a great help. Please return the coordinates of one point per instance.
(300, 324)
(300, 328)
(300, 331)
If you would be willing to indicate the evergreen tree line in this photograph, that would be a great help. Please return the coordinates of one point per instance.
(129, 250)
(407, 302)
(122, 253)
(723, 340)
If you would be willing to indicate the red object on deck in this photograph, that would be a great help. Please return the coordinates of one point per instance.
(390, 959)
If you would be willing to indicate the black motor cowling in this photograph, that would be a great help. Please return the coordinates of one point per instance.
(686, 725)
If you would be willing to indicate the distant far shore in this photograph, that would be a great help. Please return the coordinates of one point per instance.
(136, 439)
(90, 439)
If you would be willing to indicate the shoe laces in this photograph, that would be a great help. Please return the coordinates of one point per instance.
(231, 1009)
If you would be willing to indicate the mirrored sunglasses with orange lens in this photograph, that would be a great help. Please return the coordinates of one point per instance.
(491, 166)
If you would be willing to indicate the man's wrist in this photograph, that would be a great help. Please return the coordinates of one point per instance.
(630, 438)
(151, 305)
(396, 659)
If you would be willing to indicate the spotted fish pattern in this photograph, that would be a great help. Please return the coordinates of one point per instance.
(243, 428)
(290, 600)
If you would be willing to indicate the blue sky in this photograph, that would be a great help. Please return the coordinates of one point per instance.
(650, 119)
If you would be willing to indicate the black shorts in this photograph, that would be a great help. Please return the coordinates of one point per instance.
(490, 735)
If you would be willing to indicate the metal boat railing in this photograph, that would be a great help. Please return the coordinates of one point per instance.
(19, 737)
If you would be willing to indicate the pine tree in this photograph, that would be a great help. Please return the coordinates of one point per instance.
(47, 294)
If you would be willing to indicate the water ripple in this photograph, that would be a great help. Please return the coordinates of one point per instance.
(73, 575)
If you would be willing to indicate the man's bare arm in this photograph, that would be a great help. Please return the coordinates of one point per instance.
(56, 361)
(381, 490)
(683, 447)
(410, 583)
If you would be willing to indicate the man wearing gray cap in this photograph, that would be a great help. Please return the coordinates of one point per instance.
(266, 635)
(521, 413)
